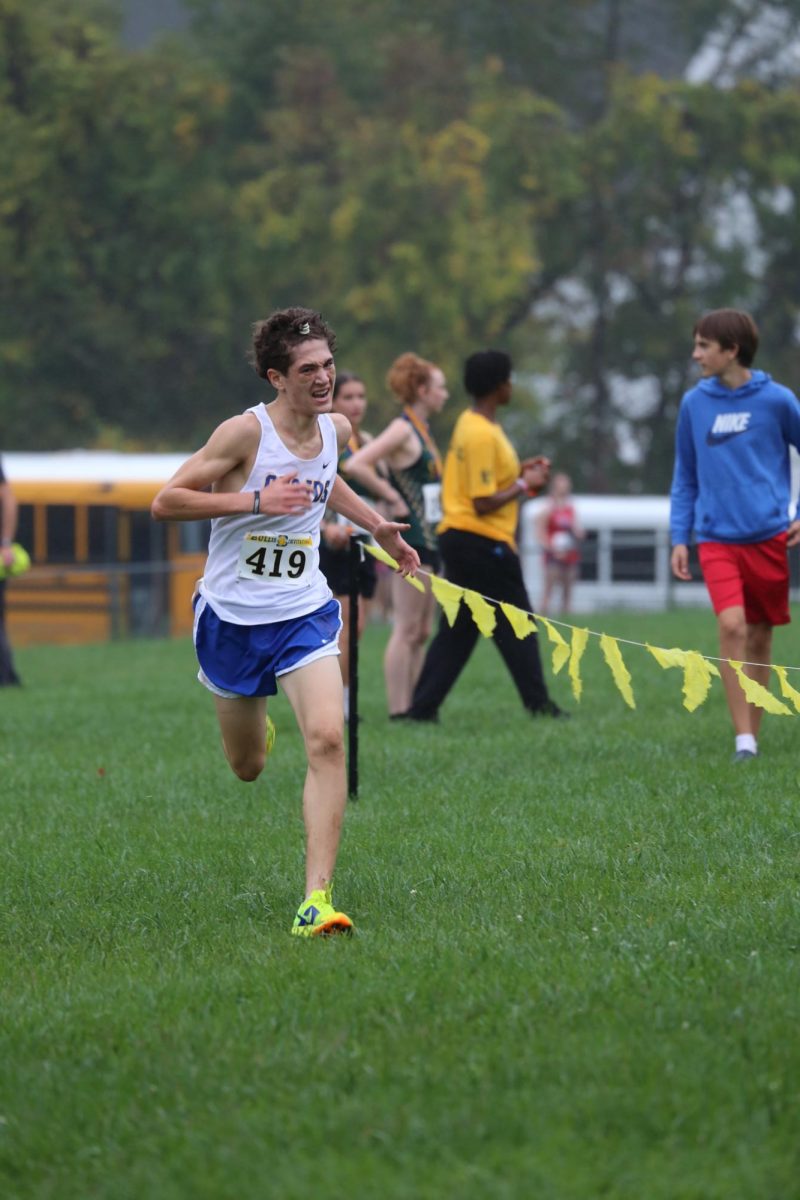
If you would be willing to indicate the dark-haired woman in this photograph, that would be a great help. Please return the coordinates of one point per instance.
(350, 399)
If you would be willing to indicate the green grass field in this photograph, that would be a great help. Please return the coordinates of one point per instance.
(575, 973)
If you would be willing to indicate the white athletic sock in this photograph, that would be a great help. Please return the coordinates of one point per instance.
(746, 741)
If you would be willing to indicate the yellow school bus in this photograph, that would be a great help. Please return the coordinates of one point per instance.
(101, 567)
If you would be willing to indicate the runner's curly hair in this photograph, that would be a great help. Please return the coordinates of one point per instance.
(276, 336)
(407, 375)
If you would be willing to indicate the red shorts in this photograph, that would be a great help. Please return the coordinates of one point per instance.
(754, 577)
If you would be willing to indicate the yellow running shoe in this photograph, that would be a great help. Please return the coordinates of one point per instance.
(271, 735)
(316, 916)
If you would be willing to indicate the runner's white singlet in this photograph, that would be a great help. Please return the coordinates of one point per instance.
(263, 568)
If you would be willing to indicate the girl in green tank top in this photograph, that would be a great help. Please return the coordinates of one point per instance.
(410, 452)
(416, 482)
(350, 399)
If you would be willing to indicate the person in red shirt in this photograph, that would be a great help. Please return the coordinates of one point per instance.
(559, 531)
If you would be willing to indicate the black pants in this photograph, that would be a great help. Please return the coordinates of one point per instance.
(7, 673)
(493, 569)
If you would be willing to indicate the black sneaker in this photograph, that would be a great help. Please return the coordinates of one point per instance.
(549, 709)
(428, 718)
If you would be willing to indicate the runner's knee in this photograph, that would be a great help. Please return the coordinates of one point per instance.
(324, 742)
(415, 633)
(731, 623)
(248, 766)
(759, 640)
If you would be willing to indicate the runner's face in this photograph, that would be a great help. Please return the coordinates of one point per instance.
(561, 486)
(308, 384)
(710, 357)
(435, 393)
(351, 401)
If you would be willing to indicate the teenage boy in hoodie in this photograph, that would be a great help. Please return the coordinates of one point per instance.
(731, 487)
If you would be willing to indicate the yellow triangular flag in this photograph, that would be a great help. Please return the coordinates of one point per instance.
(415, 583)
(579, 639)
(448, 595)
(560, 647)
(757, 694)
(667, 658)
(613, 657)
(382, 556)
(786, 688)
(379, 553)
(483, 614)
(697, 673)
(521, 622)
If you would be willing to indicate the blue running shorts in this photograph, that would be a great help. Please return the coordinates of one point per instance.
(246, 660)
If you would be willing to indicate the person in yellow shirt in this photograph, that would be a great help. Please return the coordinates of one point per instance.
(482, 486)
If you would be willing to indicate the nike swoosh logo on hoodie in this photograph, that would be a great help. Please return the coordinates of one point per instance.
(716, 439)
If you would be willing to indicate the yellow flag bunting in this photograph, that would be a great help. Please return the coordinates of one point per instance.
(698, 671)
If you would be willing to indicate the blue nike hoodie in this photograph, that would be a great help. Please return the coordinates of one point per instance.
(732, 478)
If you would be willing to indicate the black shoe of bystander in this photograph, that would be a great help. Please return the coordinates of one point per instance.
(550, 709)
(428, 718)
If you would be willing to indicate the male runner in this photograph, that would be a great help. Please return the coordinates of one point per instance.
(264, 611)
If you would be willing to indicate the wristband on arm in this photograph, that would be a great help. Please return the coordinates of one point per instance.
(256, 502)
(525, 490)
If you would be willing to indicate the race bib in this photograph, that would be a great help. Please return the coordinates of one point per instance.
(285, 558)
(561, 541)
(432, 502)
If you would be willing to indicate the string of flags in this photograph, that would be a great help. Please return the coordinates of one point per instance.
(698, 669)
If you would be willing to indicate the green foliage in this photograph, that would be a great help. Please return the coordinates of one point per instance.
(575, 971)
(434, 177)
(688, 204)
(415, 237)
(116, 291)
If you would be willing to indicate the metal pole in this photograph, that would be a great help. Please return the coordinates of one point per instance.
(352, 708)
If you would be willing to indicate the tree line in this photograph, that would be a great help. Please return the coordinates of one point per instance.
(432, 177)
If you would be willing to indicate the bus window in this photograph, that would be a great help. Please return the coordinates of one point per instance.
(794, 567)
(147, 609)
(193, 536)
(633, 555)
(60, 533)
(587, 568)
(24, 534)
(147, 538)
(102, 534)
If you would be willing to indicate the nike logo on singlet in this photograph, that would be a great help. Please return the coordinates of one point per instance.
(727, 426)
